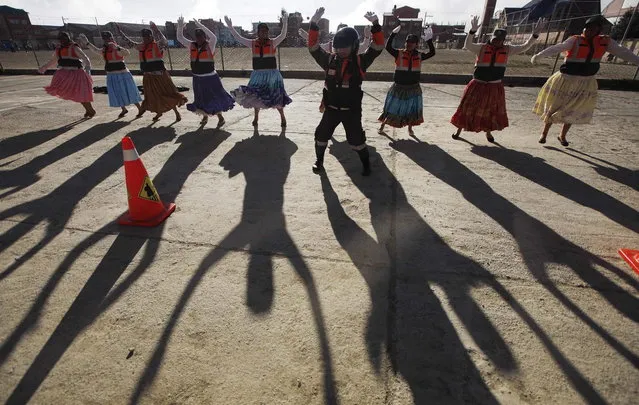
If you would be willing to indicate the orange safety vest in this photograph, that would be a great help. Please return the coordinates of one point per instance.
(151, 58)
(406, 61)
(581, 50)
(263, 49)
(491, 56)
(202, 54)
(202, 59)
(111, 53)
(68, 57)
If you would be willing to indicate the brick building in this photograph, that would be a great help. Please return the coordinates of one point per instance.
(408, 18)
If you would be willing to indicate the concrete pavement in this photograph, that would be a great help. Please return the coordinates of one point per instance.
(459, 272)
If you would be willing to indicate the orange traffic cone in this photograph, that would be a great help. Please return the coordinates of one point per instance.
(631, 257)
(145, 206)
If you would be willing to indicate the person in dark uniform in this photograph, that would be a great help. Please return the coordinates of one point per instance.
(342, 95)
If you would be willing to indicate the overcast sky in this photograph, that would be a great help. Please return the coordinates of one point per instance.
(243, 12)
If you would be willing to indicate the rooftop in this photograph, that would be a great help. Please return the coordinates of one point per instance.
(12, 11)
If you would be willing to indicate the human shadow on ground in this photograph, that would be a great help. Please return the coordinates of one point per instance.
(421, 341)
(265, 163)
(56, 208)
(539, 246)
(23, 142)
(538, 171)
(26, 175)
(617, 173)
(98, 293)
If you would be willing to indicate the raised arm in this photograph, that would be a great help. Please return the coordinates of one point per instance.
(468, 44)
(428, 37)
(325, 46)
(317, 52)
(180, 33)
(50, 63)
(159, 37)
(389, 42)
(555, 49)
(212, 37)
(128, 42)
(278, 40)
(377, 46)
(244, 41)
(84, 58)
(366, 42)
(622, 52)
(84, 41)
(537, 28)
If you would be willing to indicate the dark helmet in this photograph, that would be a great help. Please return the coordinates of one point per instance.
(64, 36)
(146, 32)
(262, 25)
(597, 20)
(106, 35)
(499, 33)
(199, 32)
(412, 38)
(346, 37)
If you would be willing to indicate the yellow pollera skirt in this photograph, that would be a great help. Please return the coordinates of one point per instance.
(567, 99)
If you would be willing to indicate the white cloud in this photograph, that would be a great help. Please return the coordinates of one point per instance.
(204, 9)
(243, 12)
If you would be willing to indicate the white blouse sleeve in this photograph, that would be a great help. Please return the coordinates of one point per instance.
(83, 57)
(555, 49)
(470, 46)
(516, 49)
(180, 36)
(244, 41)
(622, 52)
(278, 40)
(363, 46)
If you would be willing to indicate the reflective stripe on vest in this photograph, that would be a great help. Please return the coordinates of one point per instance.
(406, 61)
(490, 56)
(202, 53)
(151, 53)
(583, 52)
(263, 49)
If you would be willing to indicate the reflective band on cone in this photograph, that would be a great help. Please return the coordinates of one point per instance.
(130, 155)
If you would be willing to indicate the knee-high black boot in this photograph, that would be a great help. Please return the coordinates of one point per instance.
(319, 154)
(365, 158)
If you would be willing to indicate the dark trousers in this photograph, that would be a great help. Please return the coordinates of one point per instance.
(352, 122)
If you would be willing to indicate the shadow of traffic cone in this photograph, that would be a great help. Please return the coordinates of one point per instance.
(631, 257)
(145, 206)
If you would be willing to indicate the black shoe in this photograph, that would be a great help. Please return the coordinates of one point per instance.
(318, 167)
(562, 142)
(490, 138)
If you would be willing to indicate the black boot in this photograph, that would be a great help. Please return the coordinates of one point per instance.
(364, 157)
(318, 167)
